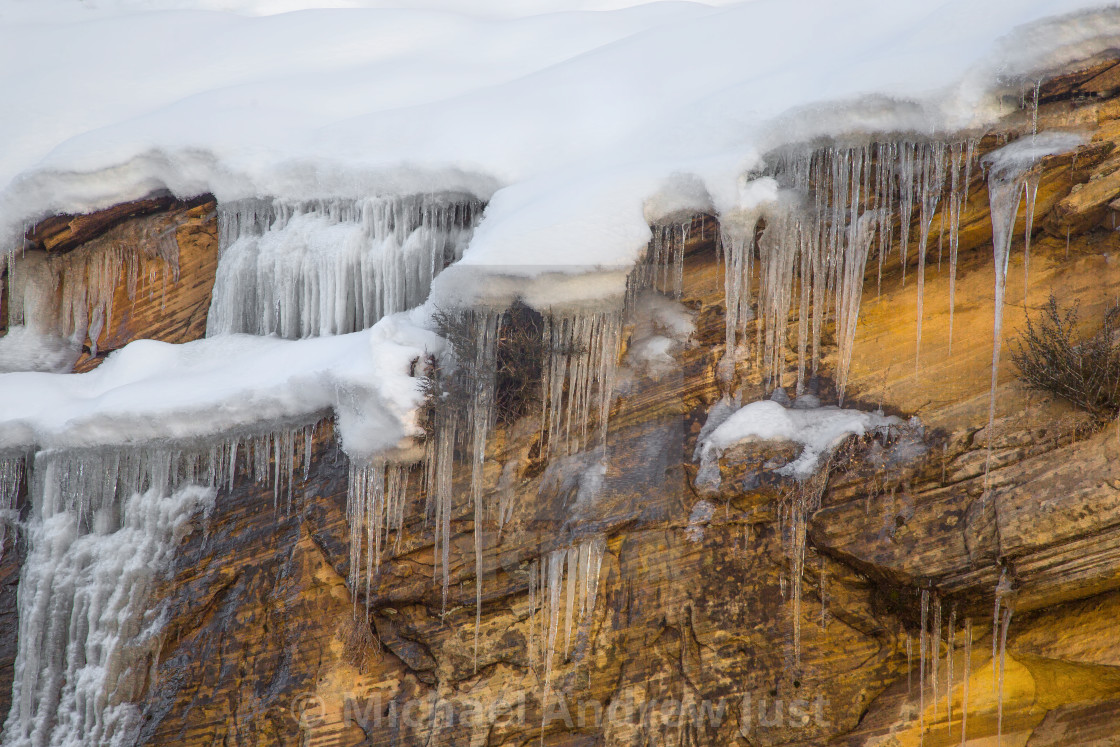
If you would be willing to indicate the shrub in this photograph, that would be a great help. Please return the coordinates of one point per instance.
(515, 371)
(1053, 357)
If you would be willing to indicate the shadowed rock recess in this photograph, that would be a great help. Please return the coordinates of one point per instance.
(950, 577)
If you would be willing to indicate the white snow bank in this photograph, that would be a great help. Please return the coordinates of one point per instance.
(569, 121)
(818, 430)
(151, 391)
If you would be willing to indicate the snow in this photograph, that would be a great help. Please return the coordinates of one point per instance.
(25, 349)
(818, 430)
(568, 122)
(154, 391)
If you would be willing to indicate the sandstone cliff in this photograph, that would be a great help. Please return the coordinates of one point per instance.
(691, 638)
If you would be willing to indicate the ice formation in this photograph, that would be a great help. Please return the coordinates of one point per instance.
(87, 635)
(11, 480)
(329, 267)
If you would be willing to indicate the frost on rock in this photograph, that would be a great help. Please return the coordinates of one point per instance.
(661, 327)
(303, 269)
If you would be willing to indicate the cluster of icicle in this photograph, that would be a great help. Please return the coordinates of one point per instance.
(663, 267)
(839, 203)
(11, 479)
(930, 661)
(375, 504)
(579, 377)
(579, 371)
(843, 201)
(328, 267)
(85, 481)
(563, 582)
(103, 524)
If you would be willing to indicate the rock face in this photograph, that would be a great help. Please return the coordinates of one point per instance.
(709, 625)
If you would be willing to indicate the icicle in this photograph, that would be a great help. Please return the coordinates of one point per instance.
(849, 296)
(1031, 193)
(909, 666)
(932, 178)
(955, 204)
(824, 597)
(800, 506)
(906, 194)
(570, 597)
(967, 676)
(952, 647)
(1034, 108)
(935, 650)
(805, 276)
(995, 620)
(481, 415)
(556, 560)
(440, 456)
(534, 577)
(922, 668)
(1002, 660)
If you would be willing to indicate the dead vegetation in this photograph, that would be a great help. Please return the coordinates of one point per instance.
(1084, 370)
